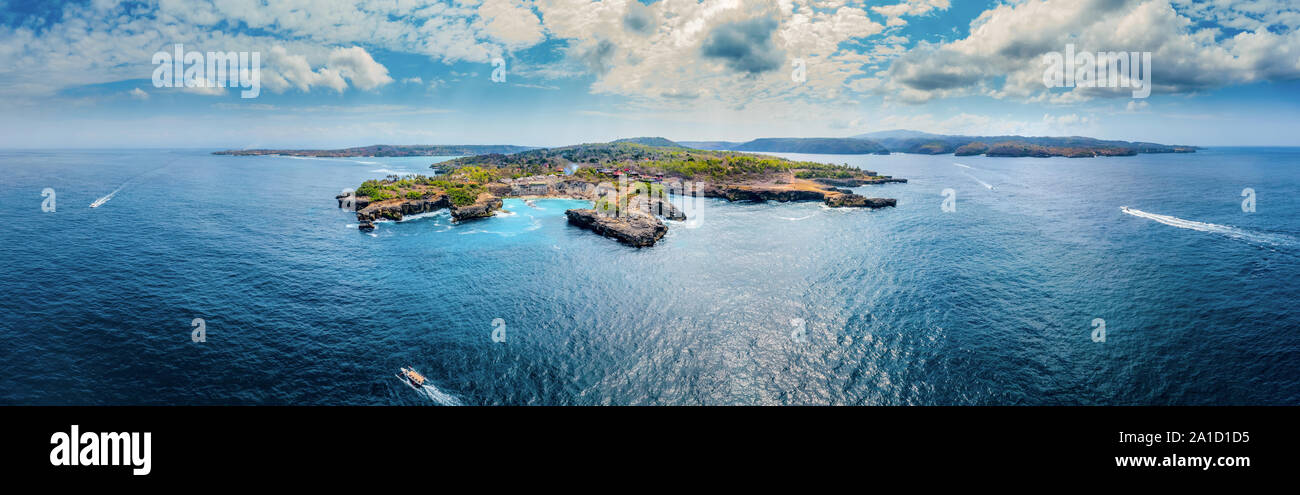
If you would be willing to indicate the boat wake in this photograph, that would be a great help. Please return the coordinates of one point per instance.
(1225, 230)
(100, 202)
(439, 397)
(418, 382)
(962, 165)
(977, 179)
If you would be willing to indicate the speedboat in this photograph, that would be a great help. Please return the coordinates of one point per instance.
(412, 378)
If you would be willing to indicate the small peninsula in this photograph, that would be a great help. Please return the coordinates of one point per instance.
(632, 186)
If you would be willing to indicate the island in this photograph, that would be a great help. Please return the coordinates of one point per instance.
(915, 142)
(632, 186)
(904, 141)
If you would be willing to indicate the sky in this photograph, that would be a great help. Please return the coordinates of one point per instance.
(335, 74)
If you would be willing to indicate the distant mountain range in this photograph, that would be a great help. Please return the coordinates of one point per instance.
(880, 143)
(907, 141)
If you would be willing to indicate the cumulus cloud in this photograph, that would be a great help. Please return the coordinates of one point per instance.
(84, 43)
(1003, 55)
(285, 70)
(639, 18)
(357, 66)
(745, 46)
(896, 12)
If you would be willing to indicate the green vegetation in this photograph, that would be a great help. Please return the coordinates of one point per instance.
(413, 187)
(639, 158)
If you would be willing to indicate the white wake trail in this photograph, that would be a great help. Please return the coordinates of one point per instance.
(1229, 231)
(962, 165)
(100, 202)
(439, 397)
(977, 179)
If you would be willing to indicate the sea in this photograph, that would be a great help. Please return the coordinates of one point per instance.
(1156, 279)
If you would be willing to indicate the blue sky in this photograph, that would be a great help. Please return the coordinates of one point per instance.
(337, 74)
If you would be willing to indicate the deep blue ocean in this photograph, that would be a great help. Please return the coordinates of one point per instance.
(992, 303)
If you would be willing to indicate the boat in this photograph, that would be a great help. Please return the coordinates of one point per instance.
(412, 378)
(530, 202)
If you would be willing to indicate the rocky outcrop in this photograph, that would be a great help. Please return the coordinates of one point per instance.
(748, 193)
(635, 229)
(368, 213)
(859, 201)
(655, 206)
(486, 206)
(855, 182)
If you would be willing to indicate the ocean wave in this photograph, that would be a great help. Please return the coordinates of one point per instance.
(1225, 230)
(430, 214)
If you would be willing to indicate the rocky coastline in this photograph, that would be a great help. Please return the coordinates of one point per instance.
(632, 186)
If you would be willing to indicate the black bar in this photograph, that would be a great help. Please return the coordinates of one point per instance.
(333, 443)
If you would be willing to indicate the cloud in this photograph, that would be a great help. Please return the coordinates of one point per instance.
(285, 70)
(511, 22)
(357, 66)
(1002, 56)
(896, 12)
(639, 18)
(745, 46)
(138, 94)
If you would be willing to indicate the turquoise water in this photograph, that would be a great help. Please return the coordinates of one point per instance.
(990, 304)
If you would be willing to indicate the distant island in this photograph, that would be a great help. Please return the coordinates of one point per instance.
(631, 185)
(878, 143)
(903, 141)
(386, 150)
